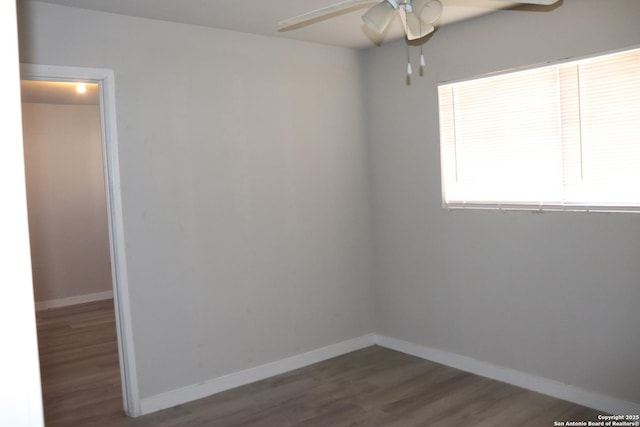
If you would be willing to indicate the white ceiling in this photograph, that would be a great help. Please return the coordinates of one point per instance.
(58, 93)
(262, 16)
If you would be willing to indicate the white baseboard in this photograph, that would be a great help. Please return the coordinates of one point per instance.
(78, 299)
(521, 379)
(236, 379)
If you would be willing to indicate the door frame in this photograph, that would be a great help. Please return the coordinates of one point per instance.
(110, 161)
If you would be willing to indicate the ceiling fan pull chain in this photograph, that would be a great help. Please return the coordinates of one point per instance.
(409, 69)
(422, 61)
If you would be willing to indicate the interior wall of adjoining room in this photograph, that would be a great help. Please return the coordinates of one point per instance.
(549, 294)
(66, 198)
(244, 188)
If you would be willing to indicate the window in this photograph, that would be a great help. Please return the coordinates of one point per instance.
(562, 136)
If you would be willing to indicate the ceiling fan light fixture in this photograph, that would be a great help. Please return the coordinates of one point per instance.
(379, 16)
(418, 5)
(430, 12)
(415, 28)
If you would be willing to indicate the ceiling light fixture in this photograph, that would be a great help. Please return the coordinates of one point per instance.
(379, 16)
(81, 88)
(418, 17)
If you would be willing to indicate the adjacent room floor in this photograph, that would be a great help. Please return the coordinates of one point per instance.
(370, 387)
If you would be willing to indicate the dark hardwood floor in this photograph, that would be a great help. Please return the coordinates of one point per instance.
(370, 387)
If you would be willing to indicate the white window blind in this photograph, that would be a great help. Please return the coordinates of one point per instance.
(563, 136)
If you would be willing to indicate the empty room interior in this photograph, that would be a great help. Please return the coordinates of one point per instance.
(278, 204)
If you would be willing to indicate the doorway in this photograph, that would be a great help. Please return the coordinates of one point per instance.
(65, 193)
(113, 268)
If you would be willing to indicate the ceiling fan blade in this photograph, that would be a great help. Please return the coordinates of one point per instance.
(540, 2)
(344, 5)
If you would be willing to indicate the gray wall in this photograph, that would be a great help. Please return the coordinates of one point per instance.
(554, 294)
(246, 201)
(245, 197)
(65, 194)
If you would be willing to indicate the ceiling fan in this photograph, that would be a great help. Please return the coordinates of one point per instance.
(418, 17)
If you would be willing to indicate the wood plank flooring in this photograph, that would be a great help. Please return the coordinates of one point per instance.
(79, 364)
(370, 387)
